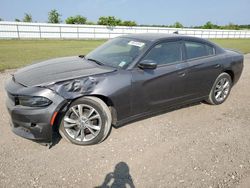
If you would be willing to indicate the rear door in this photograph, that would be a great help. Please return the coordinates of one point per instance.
(163, 86)
(204, 67)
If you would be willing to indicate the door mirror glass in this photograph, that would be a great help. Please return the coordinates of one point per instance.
(147, 64)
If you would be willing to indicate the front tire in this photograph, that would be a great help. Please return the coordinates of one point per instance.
(220, 90)
(86, 122)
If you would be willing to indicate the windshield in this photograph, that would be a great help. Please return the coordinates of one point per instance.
(118, 52)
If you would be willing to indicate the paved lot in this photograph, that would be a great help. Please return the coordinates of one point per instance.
(196, 146)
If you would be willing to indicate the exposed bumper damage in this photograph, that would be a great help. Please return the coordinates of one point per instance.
(32, 122)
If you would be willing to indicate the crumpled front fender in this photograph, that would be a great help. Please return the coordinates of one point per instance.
(72, 89)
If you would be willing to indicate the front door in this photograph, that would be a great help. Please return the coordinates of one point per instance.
(164, 86)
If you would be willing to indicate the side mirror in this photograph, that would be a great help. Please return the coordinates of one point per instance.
(147, 64)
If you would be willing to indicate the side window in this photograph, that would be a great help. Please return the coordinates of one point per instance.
(165, 53)
(195, 50)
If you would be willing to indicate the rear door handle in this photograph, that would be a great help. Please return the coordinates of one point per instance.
(181, 74)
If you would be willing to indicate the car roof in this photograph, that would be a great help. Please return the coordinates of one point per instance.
(153, 37)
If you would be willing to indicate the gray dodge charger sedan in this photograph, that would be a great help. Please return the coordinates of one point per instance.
(124, 79)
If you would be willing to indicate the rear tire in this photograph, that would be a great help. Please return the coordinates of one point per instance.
(86, 122)
(220, 90)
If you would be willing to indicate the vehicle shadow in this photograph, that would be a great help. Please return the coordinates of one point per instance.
(119, 178)
(56, 137)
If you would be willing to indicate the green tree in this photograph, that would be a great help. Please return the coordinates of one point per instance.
(208, 25)
(109, 20)
(17, 20)
(1, 19)
(54, 16)
(129, 23)
(78, 19)
(231, 26)
(177, 25)
(244, 26)
(27, 18)
(90, 23)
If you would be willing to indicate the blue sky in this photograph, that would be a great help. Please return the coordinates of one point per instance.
(188, 12)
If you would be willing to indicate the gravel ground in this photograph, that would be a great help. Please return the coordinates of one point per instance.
(195, 146)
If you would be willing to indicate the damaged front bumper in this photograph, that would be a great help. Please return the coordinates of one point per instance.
(33, 123)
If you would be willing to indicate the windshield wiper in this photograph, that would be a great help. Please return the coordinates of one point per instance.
(96, 61)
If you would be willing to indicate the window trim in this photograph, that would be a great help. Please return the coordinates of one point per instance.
(199, 42)
(165, 41)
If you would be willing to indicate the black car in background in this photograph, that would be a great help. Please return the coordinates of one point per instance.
(126, 78)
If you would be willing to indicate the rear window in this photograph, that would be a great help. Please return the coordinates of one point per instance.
(196, 50)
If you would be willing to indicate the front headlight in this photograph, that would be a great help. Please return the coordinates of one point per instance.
(34, 101)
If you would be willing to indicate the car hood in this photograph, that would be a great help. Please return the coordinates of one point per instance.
(55, 70)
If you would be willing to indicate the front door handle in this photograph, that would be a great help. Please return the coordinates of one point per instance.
(217, 66)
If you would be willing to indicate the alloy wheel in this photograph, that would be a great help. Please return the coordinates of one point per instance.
(222, 89)
(82, 122)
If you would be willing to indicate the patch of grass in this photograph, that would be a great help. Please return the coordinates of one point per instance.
(242, 45)
(18, 53)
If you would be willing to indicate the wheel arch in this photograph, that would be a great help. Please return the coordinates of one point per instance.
(64, 108)
(110, 104)
(231, 74)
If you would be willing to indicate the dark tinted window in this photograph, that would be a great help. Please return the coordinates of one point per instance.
(165, 53)
(195, 50)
